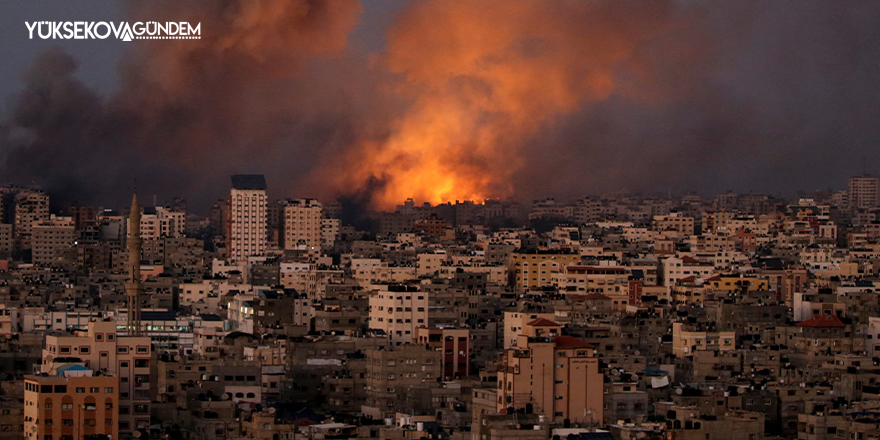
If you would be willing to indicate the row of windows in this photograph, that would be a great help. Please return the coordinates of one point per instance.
(61, 389)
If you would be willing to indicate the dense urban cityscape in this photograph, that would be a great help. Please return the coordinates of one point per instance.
(439, 220)
(733, 317)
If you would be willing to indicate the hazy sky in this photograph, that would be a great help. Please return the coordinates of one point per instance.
(444, 99)
(99, 58)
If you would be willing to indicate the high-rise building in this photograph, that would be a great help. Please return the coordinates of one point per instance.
(863, 192)
(219, 217)
(5, 240)
(83, 215)
(31, 205)
(246, 226)
(100, 349)
(329, 232)
(301, 225)
(50, 237)
(73, 403)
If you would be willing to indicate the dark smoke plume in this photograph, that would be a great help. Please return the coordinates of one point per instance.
(468, 99)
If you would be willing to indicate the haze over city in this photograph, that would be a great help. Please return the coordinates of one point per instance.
(443, 101)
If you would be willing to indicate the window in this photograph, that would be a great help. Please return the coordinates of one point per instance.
(142, 350)
(80, 390)
(66, 406)
(108, 390)
(122, 350)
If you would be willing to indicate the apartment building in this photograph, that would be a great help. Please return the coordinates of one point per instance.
(30, 205)
(100, 349)
(454, 344)
(685, 340)
(393, 373)
(398, 310)
(863, 192)
(535, 269)
(550, 374)
(301, 226)
(74, 403)
(50, 237)
(246, 226)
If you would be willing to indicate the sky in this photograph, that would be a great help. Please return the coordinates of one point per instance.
(444, 100)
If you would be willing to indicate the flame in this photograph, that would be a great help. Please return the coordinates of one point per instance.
(483, 77)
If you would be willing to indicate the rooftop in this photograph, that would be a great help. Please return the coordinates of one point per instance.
(825, 321)
(249, 181)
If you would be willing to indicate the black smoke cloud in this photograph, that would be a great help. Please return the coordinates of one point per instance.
(191, 112)
(763, 96)
(753, 97)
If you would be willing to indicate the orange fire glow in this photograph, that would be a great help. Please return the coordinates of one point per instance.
(483, 77)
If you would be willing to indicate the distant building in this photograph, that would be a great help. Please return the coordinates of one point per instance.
(301, 226)
(246, 226)
(399, 310)
(392, 374)
(30, 206)
(50, 237)
(863, 192)
(161, 222)
(536, 269)
(454, 343)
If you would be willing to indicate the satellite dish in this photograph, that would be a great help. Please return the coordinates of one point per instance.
(678, 391)
(225, 396)
(271, 410)
(136, 434)
(177, 358)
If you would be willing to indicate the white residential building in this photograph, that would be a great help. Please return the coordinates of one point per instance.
(399, 310)
(246, 234)
(301, 225)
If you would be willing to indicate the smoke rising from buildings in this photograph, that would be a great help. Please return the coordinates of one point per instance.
(467, 100)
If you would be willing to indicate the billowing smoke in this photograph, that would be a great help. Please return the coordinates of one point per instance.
(189, 112)
(485, 76)
(468, 99)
